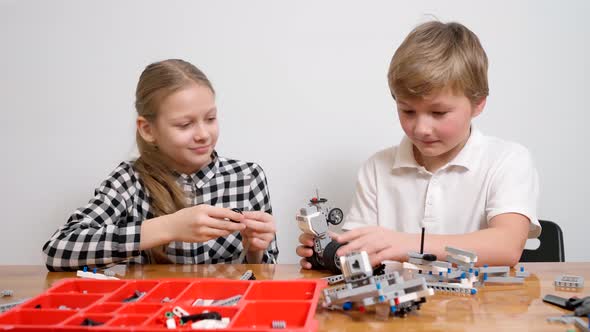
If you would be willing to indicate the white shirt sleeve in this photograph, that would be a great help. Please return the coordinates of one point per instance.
(363, 210)
(515, 188)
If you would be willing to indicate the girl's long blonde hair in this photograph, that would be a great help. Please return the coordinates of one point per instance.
(158, 81)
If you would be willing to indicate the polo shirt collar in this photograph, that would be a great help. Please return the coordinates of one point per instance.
(468, 156)
(404, 158)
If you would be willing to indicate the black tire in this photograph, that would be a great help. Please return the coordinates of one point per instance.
(331, 260)
(379, 270)
(316, 263)
(335, 216)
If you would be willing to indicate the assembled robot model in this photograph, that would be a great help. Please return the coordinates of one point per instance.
(314, 220)
(457, 274)
(333, 215)
(363, 289)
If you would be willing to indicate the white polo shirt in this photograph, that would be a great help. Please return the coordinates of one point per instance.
(488, 177)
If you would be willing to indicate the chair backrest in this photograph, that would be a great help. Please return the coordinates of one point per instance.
(551, 247)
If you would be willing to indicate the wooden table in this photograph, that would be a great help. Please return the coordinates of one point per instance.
(494, 308)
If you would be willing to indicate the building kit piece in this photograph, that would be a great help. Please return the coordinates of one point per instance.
(90, 322)
(582, 326)
(248, 275)
(133, 298)
(227, 302)
(495, 270)
(170, 322)
(196, 317)
(334, 279)
(211, 324)
(569, 281)
(521, 273)
(565, 319)
(109, 273)
(279, 324)
(314, 220)
(94, 275)
(119, 269)
(7, 306)
(500, 275)
(580, 306)
(179, 312)
(6, 292)
(202, 302)
(442, 276)
(504, 280)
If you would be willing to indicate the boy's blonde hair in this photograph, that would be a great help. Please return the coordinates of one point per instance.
(436, 56)
(158, 81)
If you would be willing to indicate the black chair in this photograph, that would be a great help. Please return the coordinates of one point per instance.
(551, 247)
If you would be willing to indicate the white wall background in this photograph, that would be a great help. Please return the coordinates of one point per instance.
(301, 90)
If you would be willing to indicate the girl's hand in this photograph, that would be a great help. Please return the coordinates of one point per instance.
(259, 232)
(202, 223)
(305, 249)
(379, 243)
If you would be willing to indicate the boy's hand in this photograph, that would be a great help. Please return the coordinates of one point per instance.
(379, 243)
(202, 223)
(305, 249)
(259, 232)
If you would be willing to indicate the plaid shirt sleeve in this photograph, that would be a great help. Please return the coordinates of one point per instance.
(260, 201)
(102, 232)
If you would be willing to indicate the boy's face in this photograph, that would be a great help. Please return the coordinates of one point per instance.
(186, 128)
(438, 125)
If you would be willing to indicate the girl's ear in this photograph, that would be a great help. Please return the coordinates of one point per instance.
(478, 108)
(144, 127)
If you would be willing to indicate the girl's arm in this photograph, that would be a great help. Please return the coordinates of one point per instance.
(156, 232)
(103, 231)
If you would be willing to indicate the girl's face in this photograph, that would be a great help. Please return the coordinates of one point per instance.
(186, 128)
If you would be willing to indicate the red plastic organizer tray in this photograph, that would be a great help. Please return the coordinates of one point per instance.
(263, 301)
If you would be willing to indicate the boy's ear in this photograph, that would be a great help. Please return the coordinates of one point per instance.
(478, 108)
(144, 127)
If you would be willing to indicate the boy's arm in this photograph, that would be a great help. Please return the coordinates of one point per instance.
(500, 244)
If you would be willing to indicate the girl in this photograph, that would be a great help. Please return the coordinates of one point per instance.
(174, 203)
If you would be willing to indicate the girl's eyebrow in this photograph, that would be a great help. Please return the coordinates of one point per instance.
(187, 116)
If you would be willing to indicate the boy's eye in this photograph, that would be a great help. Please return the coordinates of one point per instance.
(183, 125)
(211, 119)
(438, 114)
(408, 112)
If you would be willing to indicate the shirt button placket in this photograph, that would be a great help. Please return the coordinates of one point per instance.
(429, 215)
(190, 188)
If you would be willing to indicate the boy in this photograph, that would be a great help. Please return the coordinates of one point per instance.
(468, 190)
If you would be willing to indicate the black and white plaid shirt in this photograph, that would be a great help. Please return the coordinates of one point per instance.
(107, 229)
